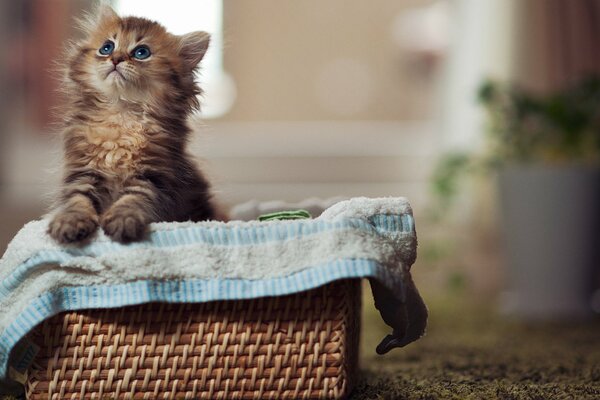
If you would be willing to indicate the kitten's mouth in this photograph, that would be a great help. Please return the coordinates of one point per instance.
(115, 74)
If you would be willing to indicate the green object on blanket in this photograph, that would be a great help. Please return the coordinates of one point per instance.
(279, 215)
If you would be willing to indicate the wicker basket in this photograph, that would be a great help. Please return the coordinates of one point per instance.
(291, 347)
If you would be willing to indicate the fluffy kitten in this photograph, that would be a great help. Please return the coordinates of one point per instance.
(130, 88)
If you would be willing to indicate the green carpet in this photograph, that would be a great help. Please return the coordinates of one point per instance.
(472, 353)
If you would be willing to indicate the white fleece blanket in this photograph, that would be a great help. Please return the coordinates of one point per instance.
(207, 261)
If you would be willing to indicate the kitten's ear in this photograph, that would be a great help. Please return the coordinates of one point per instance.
(90, 21)
(192, 47)
(106, 13)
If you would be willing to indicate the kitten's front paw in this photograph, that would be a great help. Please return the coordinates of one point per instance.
(72, 226)
(124, 225)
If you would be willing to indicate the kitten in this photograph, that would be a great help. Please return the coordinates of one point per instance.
(130, 88)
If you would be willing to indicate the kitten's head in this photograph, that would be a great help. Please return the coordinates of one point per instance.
(136, 59)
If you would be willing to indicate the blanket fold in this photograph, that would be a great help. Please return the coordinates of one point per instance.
(209, 261)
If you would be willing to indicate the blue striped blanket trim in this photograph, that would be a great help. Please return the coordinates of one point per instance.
(49, 304)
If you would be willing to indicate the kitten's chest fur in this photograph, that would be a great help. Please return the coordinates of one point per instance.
(115, 142)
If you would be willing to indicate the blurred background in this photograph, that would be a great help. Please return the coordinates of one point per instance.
(304, 99)
(484, 113)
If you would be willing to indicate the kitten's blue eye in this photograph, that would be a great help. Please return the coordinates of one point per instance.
(107, 48)
(141, 52)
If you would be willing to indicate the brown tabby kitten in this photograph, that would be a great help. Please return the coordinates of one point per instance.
(130, 88)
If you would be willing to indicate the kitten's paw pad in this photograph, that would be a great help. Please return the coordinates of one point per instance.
(72, 227)
(124, 225)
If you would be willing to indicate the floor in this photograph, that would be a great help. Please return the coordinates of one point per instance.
(470, 352)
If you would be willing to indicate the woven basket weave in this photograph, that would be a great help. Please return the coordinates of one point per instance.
(291, 347)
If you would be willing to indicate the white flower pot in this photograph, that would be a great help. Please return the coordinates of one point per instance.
(550, 219)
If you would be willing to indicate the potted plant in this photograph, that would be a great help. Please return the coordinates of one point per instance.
(546, 152)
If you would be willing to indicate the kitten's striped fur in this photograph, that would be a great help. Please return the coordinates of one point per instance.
(125, 133)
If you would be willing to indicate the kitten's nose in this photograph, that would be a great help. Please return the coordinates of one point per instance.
(117, 60)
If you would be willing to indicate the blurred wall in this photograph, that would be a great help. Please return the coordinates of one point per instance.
(331, 101)
(315, 60)
(558, 42)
